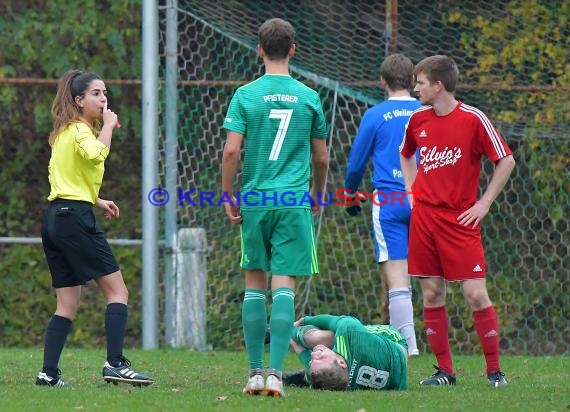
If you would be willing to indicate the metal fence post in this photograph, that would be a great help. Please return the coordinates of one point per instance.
(190, 290)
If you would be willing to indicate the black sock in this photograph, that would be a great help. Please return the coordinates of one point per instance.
(115, 328)
(56, 335)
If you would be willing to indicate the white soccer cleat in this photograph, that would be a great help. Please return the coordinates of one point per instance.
(414, 352)
(254, 386)
(274, 386)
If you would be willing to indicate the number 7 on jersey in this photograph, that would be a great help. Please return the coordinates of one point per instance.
(284, 116)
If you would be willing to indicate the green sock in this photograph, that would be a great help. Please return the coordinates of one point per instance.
(254, 323)
(281, 324)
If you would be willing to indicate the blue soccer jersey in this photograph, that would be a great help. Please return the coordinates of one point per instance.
(380, 134)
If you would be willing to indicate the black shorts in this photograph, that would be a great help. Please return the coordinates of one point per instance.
(75, 246)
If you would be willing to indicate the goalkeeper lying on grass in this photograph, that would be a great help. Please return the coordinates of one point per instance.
(340, 353)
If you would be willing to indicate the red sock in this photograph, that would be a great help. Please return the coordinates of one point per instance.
(436, 327)
(487, 327)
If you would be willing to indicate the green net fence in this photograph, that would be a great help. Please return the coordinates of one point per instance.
(513, 57)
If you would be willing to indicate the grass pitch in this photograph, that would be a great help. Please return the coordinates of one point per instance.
(213, 381)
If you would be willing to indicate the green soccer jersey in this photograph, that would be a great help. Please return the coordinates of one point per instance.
(374, 361)
(278, 116)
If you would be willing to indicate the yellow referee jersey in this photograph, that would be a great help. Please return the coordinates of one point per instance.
(77, 164)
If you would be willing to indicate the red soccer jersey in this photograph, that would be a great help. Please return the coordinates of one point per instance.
(450, 150)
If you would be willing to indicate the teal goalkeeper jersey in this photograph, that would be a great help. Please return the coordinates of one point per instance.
(278, 116)
(374, 361)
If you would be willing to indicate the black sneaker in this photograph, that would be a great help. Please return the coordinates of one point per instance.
(45, 380)
(441, 377)
(123, 373)
(295, 379)
(497, 379)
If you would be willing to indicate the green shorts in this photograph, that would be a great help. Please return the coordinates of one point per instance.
(280, 241)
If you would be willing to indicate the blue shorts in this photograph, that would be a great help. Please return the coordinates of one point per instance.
(391, 221)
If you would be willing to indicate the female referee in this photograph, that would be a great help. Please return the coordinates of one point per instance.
(75, 247)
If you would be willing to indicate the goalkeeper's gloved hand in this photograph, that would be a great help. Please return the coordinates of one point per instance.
(353, 209)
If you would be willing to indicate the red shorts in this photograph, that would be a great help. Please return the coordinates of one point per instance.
(440, 246)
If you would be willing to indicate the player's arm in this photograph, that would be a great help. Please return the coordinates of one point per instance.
(230, 159)
(110, 209)
(475, 214)
(494, 147)
(320, 166)
(298, 348)
(308, 336)
(326, 322)
(316, 337)
(90, 149)
(360, 152)
(408, 163)
(319, 152)
(110, 121)
(304, 355)
(409, 170)
(501, 174)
